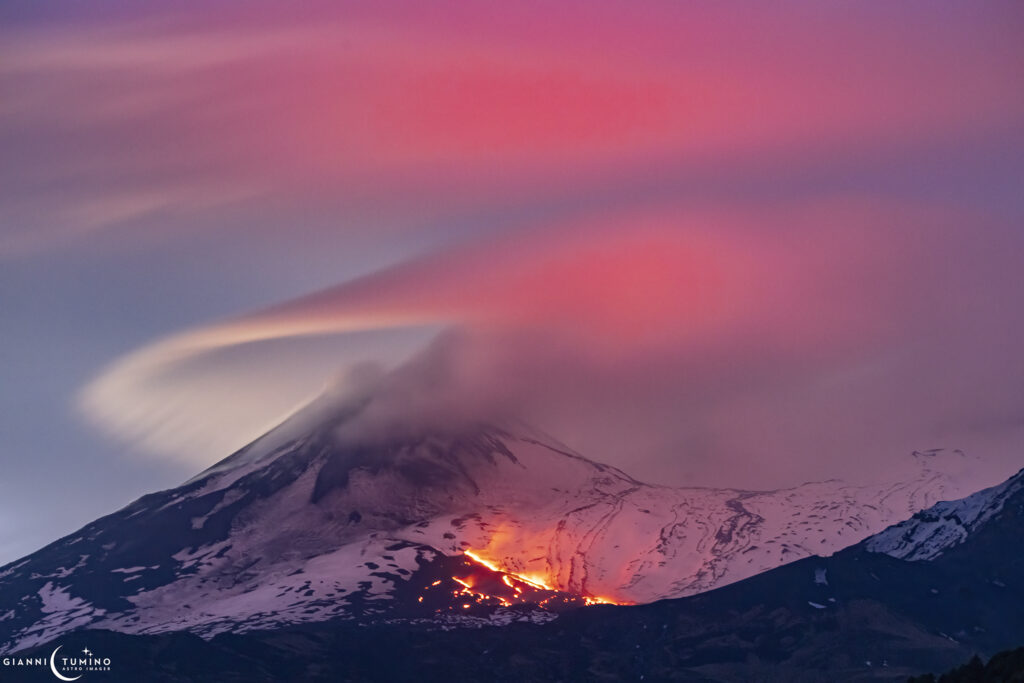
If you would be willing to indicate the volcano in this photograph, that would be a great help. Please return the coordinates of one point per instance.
(488, 523)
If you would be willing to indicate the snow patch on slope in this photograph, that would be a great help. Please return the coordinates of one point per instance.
(61, 612)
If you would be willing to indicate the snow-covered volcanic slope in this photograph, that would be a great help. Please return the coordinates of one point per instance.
(313, 522)
(930, 533)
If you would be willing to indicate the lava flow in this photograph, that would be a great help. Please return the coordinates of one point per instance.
(471, 584)
(533, 581)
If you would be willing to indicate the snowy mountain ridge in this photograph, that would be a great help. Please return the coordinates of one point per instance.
(306, 526)
(931, 532)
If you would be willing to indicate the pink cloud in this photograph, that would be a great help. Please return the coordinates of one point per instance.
(396, 111)
(697, 234)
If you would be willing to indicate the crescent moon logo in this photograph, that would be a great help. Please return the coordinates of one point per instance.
(53, 667)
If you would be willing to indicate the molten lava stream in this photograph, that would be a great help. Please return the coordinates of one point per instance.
(511, 587)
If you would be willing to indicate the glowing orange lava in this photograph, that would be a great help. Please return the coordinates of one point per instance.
(510, 579)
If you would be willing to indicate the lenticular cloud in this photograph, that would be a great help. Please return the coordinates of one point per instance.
(700, 348)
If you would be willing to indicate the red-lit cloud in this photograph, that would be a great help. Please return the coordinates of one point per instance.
(724, 240)
(650, 342)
